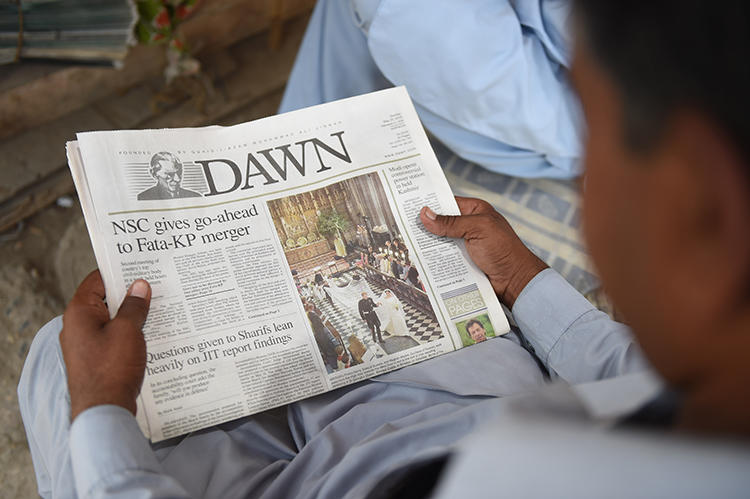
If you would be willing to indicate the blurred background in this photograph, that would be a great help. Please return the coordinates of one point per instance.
(99, 65)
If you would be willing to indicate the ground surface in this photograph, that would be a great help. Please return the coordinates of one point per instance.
(39, 267)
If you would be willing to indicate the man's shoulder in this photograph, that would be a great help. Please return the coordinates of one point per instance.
(628, 463)
(567, 431)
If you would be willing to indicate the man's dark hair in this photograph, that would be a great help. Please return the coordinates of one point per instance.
(471, 322)
(665, 55)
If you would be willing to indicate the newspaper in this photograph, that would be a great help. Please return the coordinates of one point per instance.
(286, 256)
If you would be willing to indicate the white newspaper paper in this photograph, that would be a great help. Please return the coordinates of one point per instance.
(286, 255)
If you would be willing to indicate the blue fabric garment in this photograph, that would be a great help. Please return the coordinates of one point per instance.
(560, 445)
(488, 78)
(335, 445)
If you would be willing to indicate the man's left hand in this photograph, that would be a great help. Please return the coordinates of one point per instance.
(492, 245)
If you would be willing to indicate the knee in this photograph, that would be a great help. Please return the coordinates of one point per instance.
(44, 365)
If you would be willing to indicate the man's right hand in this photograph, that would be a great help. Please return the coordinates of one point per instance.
(492, 245)
(105, 359)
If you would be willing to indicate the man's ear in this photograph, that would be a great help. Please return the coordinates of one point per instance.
(710, 196)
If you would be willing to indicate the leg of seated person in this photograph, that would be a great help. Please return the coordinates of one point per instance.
(462, 377)
(334, 45)
(241, 458)
(45, 409)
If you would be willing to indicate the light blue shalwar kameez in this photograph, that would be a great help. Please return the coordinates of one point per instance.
(488, 77)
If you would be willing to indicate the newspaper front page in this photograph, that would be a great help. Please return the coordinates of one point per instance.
(285, 255)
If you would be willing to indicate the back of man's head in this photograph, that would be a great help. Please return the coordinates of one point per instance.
(664, 88)
(670, 54)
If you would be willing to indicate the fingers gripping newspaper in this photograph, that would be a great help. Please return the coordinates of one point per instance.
(286, 256)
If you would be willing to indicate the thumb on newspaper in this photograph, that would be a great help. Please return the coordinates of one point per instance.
(134, 308)
(447, 225)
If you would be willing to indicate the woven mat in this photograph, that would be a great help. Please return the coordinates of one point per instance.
(545, 213)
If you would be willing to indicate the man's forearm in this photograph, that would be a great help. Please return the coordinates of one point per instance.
(574, 340)
(110, 456)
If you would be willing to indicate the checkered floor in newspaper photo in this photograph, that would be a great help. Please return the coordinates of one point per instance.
(422, 328)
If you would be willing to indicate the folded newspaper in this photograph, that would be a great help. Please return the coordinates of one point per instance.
(286, 256)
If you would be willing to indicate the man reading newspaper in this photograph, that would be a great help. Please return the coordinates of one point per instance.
(667, 203)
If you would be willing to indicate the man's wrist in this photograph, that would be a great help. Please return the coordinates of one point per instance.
(520, 279)
(81, 404)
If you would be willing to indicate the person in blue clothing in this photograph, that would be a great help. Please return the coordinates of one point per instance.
(663, 86)
(488, 79)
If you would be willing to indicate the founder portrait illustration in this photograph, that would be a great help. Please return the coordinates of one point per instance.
(166, 168)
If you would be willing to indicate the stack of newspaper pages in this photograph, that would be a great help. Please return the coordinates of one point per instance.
(78, 30)
(286, 255)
